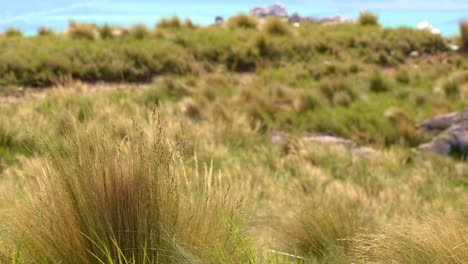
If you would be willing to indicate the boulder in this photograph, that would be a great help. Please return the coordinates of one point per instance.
(294, 18)
(219, 20)
(440, 122)
(450, 134)
(277, 9)
(364, 152)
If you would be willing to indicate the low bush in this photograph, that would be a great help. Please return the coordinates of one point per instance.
(139, 32)
(368, 19)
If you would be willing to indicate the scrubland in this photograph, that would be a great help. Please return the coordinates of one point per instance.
(157, 145)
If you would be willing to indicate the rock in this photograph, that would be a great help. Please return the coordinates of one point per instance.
(451, 134)
(294, 18)
(331, 20)
(277, 137)
(437, 147)
(329, 140)
(364, 152)
(219, 20)
(414, 53)
(277, 9)
(440, 122)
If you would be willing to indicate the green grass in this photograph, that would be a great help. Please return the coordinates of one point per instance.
(154, 146)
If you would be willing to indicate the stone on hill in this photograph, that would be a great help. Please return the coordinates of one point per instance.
(451, 134)
(277, 9)
(329, 140)
(440, 122)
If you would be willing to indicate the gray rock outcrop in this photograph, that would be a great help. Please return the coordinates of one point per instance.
(277, 9)
(450, 134)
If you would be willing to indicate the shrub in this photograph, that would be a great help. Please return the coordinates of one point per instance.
(82, 31)
(452, 86)
(105, 31)
(464, 35)
(338, 92)
(12, 32)
(276, 26)
(368, 19)
(189, 24)
(96, 200)
(242, 21)
(172, 23)
(378, 83)
(139, 31)
(43, 31)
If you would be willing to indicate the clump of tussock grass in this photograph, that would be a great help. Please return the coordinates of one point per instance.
(452, 86)
(437, 240)
(43, 31)
(189, 24)
(242, 21)
(378, 83)
(464, 35)
(82, 31)
(405, 129)
(12, 32)
(171, 23)
(276, 26)
(338, 92)
(139, 32)
(368, 19)
(96, 200)
(324, 230)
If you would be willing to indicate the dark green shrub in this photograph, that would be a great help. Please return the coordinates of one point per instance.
(368, 19)
(378, 83)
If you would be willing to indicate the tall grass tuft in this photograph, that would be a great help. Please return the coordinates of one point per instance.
(242, 21)
(173, 23)
(139, 31)
(368, 19)
(434, 241)
(43, 31)
(464, 35)
(276, 26)
(324, 230)
(12, 32)
(98, 200)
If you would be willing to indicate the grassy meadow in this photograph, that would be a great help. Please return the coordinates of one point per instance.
(187, 144)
